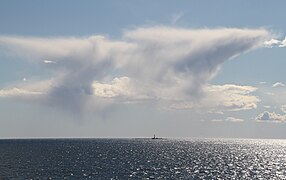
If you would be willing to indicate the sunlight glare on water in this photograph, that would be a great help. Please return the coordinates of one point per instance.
(143, 158)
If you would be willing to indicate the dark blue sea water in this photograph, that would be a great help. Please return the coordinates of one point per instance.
(142, 158)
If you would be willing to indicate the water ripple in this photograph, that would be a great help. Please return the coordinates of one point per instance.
(142, 159)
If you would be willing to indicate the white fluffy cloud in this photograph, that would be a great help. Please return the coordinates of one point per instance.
(272, 42)
(270, 117)
(156, 63)
(275, 43)
(118, 88)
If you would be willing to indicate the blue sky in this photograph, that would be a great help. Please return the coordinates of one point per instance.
(53, 84)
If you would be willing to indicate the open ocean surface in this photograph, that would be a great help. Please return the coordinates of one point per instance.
(142, 159)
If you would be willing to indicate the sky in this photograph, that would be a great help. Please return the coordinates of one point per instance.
(210, 69)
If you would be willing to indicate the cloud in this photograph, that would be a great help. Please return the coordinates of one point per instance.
(283, 43)
(233, 119)
(262, 82)
(15, 92)
(121, 87)
(283, 108)
(275, 43)
(278, 84)
(162, 64)
(231, 97)
(49, 62)
(270, 117)
(271, 43)
(217, 120)
(228, 119)
(219, 98)
(27, 89)
(270, 93)
(176, 17)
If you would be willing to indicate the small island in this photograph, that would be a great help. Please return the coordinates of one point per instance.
(156, 137)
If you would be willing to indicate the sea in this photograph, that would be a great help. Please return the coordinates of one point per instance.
(142, 159)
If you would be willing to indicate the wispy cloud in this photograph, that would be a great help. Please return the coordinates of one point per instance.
(231, 97)
(283, 108)
(173, 65)
(283, 43)
(15, 92)
(270, 93)
(219, 98)
(233, 119)
(278, 84)
(176, 17)
(49, 62)
(228, 119)
(262, 82)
